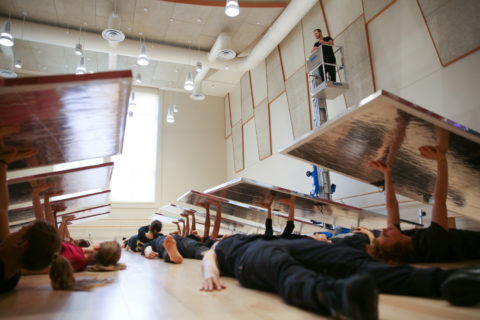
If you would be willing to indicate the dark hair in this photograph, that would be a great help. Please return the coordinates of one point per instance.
(155, 226)
(43, 243)
(396, 253)
(83, 243)
(318, 30)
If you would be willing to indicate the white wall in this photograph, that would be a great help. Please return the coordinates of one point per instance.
(191, 155)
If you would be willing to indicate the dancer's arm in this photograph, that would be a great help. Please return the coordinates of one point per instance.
(393, 212)
(439, 211)
(48, 207)
(211, 272)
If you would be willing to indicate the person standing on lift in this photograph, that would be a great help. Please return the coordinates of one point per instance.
(328, 55)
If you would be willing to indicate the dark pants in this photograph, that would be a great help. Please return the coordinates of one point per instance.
(463, 245)
(132, 242)
(300, 270)
(188, 248)
(287, 232)
(330, 70)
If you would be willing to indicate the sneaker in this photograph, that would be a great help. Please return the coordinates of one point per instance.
(359, 298)
(462, 287)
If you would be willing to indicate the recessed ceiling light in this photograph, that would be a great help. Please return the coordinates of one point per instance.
(176, 70)
(199, 20)
(39, 51)
(44, 68)
(227, 67)
(129, 28)
(145, 9)
(171, 20)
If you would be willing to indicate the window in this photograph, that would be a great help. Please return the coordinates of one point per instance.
(134, 173)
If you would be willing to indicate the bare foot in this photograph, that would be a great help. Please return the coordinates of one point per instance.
(171, 246)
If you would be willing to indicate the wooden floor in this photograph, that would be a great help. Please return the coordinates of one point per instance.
(152, 289)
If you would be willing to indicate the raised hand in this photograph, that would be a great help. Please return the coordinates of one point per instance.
(13, 154)
(7, 129)
(380, 166)
(431, 153)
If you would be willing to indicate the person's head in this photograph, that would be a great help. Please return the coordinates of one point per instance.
(391, 246)
(37, 243)
(317, 33)
(61, 274)
(155, 227)
(108, 253)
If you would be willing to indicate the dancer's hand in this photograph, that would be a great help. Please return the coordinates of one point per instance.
(381, 166)
(149, 253)
(366, 232)
(211, 274)
(431, 153)
(13, 154)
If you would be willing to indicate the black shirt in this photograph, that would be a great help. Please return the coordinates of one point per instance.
(142, 238)
(432, 244)
(357, 241)
(7, 284)
(328, 55)
(230, 248)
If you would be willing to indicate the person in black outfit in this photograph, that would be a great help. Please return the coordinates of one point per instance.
(328, 54)
(144, 235)
(288, 231)
(173, 248)
(329, 279)
(436, 243)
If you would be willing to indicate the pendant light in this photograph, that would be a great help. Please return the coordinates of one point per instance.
(138, 78)
(132, 99)
(6, 38)
(170, 117)
(188, 86)
(78, 46)
(142, 59)
(81, 69)
(231, 8)
(18, 63)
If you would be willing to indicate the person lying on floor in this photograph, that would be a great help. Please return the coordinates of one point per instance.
(174, 248)
(144, 235)
(436, 243)
(328, 279)
(31, 248)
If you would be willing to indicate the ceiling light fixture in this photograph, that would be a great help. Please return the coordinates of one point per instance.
(81, 67)
(132, 99)
(170, 117)
(18, 63)
(6, 38)
(78, 46)
(198, 67)
(142, 59)
(188, 82)
(232, 9)
(138, 79)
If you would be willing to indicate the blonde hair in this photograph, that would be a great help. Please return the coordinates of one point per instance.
(107, 256)
(61, 273)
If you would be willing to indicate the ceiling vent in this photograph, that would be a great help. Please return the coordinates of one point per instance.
(222, 48)
(113, 34)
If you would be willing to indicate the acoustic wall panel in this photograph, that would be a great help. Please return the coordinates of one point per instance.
(236, 104)
(357, 63)
(292, 51)
(275, 80)
(228, 118)
(454, 26)
(259, 83)
(340, 14)
(373, 7)
(237, 141)
(298, 103)
(312, 20)
(262, 125)
(247, 102)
